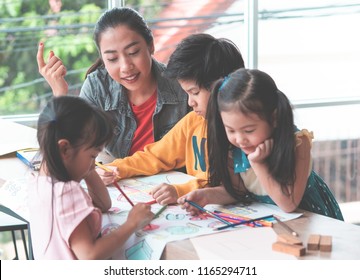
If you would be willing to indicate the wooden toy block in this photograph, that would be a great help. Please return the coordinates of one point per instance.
(325, 243)
(289, 238)
(313, 242)
(295, 250)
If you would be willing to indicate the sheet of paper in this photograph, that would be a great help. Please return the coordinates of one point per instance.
(242, 244)
(255, 210)
(176, 224)
(172, 224)
(138, 188)
(16, 137)
(14, 195)
(171, 177)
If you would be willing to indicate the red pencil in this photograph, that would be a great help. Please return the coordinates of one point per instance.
(115, 183)
(123, 193)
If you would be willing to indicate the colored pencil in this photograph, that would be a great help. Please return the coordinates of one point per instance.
(229, 216)
(119, 178)
(232, 220)
(208, 212)
(115, 183)
(123, 193)
(285, 226)
(157, 214)
(242, 218)
(244, 222)
(106, 168)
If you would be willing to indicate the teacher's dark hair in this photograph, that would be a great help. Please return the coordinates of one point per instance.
(117, 17)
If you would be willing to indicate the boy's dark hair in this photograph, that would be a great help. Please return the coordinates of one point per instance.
(71, 118)
(204, 59)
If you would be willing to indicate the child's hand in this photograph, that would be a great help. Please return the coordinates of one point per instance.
(164, 194)
(54, 71)
(140, 215)
(106, 176)
(197, 196)
(261, 152)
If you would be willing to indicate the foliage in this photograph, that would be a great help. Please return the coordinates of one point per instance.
(24, 23)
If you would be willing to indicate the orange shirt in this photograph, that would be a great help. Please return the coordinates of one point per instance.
(183, 145)
(144, 131)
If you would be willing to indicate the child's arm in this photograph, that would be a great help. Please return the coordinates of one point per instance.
(272, 187)
(98, 191)
(54, 71)
(84, 246)
(209, 195)
(164, 194)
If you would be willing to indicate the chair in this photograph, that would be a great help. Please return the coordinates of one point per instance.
(10, 221)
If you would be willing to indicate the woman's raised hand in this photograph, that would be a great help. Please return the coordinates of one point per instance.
(53, 71)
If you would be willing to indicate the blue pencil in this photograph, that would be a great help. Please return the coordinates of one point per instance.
(208, 212)
(245, 222)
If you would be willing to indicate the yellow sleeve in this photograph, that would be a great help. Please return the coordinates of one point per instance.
(187, 187)
(164, 155)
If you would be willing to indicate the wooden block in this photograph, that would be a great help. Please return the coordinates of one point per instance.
(295, 250)
(325, 243)
(313, 242)
(289, 238)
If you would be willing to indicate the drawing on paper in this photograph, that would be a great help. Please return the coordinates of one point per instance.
(174, 216)
(198, 217)
(106, 229)
(173, 224)
(242, 210)
(139, 251)
(136, 190)
(114, 210)
(181, 230)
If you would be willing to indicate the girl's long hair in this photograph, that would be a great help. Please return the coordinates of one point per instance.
(251, 92)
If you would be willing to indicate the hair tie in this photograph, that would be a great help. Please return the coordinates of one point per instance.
(226, 79)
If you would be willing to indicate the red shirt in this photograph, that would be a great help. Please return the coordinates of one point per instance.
(144, 131)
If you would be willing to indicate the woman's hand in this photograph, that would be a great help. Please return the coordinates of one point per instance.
(54, 71)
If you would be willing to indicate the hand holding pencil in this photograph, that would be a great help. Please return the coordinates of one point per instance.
(197, 196)
(108, 174)
(139, 216)
(115, 183)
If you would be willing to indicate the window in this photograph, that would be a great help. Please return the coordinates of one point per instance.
(309, 47)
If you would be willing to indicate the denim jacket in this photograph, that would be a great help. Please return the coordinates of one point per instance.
(102, 91)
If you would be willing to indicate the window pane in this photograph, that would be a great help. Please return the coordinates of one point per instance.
(65, 27)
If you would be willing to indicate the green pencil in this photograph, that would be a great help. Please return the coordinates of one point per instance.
(157, 214)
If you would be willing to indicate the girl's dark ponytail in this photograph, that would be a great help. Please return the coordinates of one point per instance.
(281, 162)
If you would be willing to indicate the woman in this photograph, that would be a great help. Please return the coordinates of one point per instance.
(126, 82)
